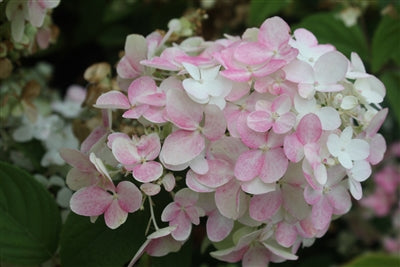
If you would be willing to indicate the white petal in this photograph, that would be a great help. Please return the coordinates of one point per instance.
(192, 70)
(361, 170)
(358, 149)
(329, 117)
(349, 102)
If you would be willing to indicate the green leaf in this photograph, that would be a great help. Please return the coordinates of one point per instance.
(328, 29)
(30, 221)
(260, 10)
(385, 42)
(374, 259)
(93, 244)
(392, 83)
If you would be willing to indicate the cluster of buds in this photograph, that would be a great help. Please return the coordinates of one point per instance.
(272, 132)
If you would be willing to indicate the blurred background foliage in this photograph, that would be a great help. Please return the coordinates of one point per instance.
(95, 30)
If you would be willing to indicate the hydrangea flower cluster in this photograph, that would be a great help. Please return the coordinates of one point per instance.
(272, 132)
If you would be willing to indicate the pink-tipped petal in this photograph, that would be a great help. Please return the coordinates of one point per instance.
(231, 201)
(286, 234)
(115, 215)
(263, 207)
(215, 123)
(182, 111)
(113, 99)
(125, 151)
(77, 159)
(293, 148)
(90, 201)
(309, 129)
(183, 227)
(181, 147)
(249, 165)
(147, 172)
(259, 121)
(321, 213)
(275, 165)
(218, 226)
(129, 196)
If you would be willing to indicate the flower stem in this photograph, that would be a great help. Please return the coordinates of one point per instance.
(152, 213)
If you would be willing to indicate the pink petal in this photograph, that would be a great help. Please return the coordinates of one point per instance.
(249, 137)
(339, 199)
(256, 257)
(263, 207)
(305, 37)
(182, 111)
(275, 165)
(274, 32)
(259, 121)
(135, 50)
(162, 246)
(194, 184)
(231, 201)
(293, 201)
(141, 86)
(115, 216)
(149, 146)
(230, 254)
(93, 138)
(90, 201)
(376, 122)
(150, 189)
(251, 53)
(249, 165)
(168, 182)
(129, 196)
(155, 99)
(286, 234)
(293, 148)
(170, 212)
(215, 123)
(236, 75)
(135, 112)
(113, 99)
(284, 123)
(126, 69)
(186, 197)
(147, 172)
(218, 226)
(377, 148)
(76, 179)
(281, 104)
(309, 129)
(183, 227)
(125, 151)
(181, 147)
(321, 214)
(77, 159)
(220, 172)
(113, 136)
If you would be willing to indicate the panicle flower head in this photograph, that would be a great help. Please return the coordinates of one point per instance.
(269, 131)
